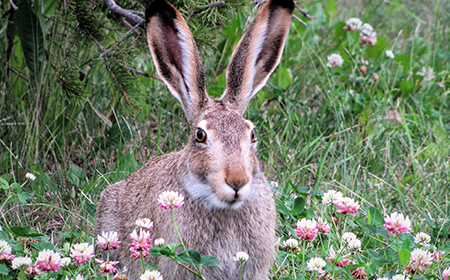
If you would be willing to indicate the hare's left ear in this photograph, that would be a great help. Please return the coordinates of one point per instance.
(258, 53)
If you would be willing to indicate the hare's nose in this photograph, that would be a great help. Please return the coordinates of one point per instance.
(237, 180)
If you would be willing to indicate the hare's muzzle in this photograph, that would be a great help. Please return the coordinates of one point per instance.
(237, 180)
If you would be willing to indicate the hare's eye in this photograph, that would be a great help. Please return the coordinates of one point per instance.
(201, 136)
(253, 136)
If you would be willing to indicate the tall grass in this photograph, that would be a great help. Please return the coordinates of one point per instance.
(383, 140)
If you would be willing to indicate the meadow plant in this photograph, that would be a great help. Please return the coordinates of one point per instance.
(389, 121)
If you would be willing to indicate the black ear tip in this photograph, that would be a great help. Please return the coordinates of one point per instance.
(287, 4)
(157, 6)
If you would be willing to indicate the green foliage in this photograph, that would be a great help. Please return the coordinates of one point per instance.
(75, 113)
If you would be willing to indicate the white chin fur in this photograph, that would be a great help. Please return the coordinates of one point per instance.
(203, 192)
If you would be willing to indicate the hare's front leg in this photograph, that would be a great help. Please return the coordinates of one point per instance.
(108, 211)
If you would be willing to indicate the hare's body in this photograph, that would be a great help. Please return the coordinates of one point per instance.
(228, 205)
(223, 232)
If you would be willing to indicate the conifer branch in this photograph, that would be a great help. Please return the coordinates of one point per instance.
(13, 5)
(121, 40)
(145, 74)
(301, 21)
(108, 67)
(305, 14)
(129, 15)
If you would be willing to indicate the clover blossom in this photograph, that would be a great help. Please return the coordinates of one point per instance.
(107, 266)
(368, 36)
(306, 229)
(352, 24)
(151, 275)
(32, 270)
(291, 243)
(159, 241)
(397, 223)
(389, 54)
(348, 205)
(5, 251)
(144, 223)
(170, 199)
(337, 259)
(332, 197)
(20, 261)
(334, 60)
(421, 257)
(348, 236)
(241, 257)
(141, 243)
(30, 176)
(82, 252)
(316, 264)
(400, 277)
(108, 240)
(354, 244)
(446, 274)
(48, 260)
(322, 226)
(422, 238)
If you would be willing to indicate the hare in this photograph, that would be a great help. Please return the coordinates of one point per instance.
(228, 205)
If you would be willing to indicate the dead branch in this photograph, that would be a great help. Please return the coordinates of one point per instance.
(129, 15)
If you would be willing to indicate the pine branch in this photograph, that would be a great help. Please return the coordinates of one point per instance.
(13, 5)
(108, 67)
(145, 74)
(129, 15)
(305, 14)
(121, 40)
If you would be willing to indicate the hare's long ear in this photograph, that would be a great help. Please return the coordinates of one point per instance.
(176, 57)
(258, 53)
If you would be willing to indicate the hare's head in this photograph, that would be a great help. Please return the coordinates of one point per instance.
(222, 166)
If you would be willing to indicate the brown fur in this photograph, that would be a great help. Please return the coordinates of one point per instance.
(228, 204)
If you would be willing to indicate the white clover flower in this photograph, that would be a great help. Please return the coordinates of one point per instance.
(400, 277)
(291, 243)
(446, 274)
(332, 197)
(367, 30)
(382, 278)
(65, 261)
(108, 240)
(334, 60)
(354, 244)
(30, 176)
(20, 261)
(159, 241)
(5, 251)
(79, 277)
(421, 257)
(422, 238)
(390, 54)
(151, 275)
(170, 199)
(274, 184)
(348, 236)
(144, 223)
(48, 260)
(354, 23)
(241, 257)
(397, 223)
(316, 264)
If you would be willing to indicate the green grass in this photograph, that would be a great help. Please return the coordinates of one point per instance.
(319, 128)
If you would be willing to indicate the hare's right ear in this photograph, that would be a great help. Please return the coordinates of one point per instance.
(176, 57)
(258, 53)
